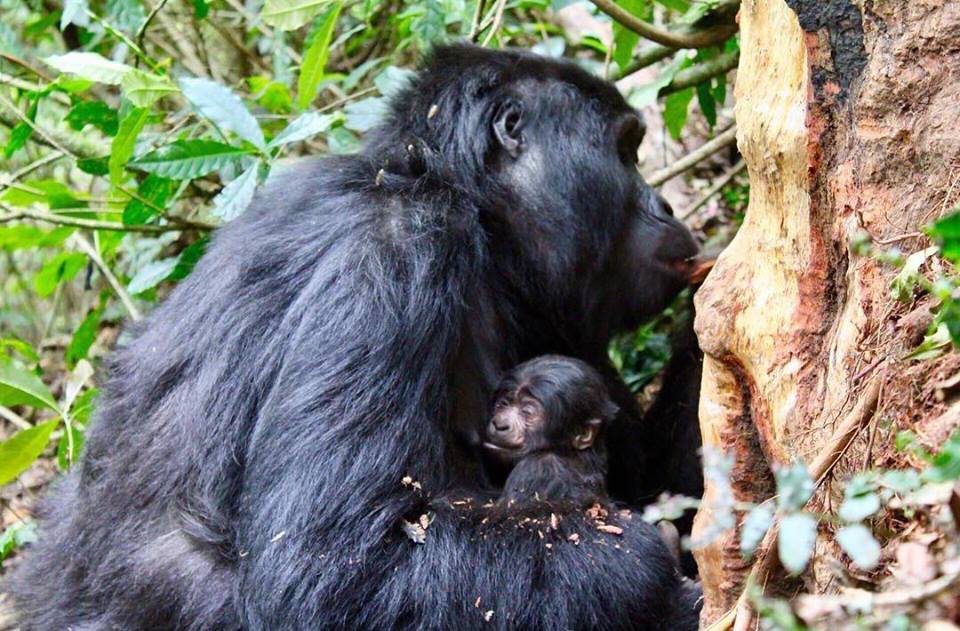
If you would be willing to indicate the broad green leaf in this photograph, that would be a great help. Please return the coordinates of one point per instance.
(904, 283)
(94, 166)
(315, 57)
(155, 191)
(708, 106)
(188, 259)
(625, 40)
(19, 347)
(19, 452)
(19, 136)
(96, 113)
(755, 526)
(933, 344)
(946, 234)
(859, 507)
(143, 89)
(151, 275)
(857, 541)
(90, 66)
(219, 104)
(675, 109)
(647, 93)
(365, 114)
(83, 406)
(798, 535)
(305, 126)
(288, 15)
(74, 12)
(794, 486)
(126, 15)
(237, 195)
(53, 193)
(341, 140)
(19, 387)
(200, 9)
(430, 25)
(60, 268)
(121, 149)
(272, 95)
(188, 159)
(946, 464)
(677, 5)
(83, 338)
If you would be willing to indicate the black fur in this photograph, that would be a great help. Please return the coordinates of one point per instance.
(247, 465)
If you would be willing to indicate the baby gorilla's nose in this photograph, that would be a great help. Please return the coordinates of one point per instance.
(500, 424)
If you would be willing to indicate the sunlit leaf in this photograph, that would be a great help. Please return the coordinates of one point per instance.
(19, 387)
(794, 486)
(755, 526)
(83, 338)
(237, 195)
(90, 66)
(152, 197)
(305, 126)
(365, 114)
(798, 535)
(143, 89)
(219, 104)
(121, 149)
(57, 269)
(859, 544)
(675, 109)
(20, 451)
(151, 275)
(315, 57)
(291, 14)
(74, 12)
(96, 113)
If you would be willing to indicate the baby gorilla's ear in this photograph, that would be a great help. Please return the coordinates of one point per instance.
(586, 438)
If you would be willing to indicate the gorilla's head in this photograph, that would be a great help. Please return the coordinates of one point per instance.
(548, 154)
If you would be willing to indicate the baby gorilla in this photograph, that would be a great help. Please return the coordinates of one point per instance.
(548, 420)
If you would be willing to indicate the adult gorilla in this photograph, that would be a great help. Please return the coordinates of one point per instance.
(248, 467)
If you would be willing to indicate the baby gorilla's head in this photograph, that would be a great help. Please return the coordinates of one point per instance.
(550, 404)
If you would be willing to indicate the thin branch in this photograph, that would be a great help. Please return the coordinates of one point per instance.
(91, 224)
(14, 418)
(138, 51)
(71, 145)
(475, 24)
(695, 75)
(499, 8)
(675, 39)
(703, 152)
(715, 188)
(142, 31)
(87, 248)
(646, 57)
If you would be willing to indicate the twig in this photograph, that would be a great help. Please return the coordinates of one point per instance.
(475, 24)
(722, 64)
(142, 31)
(646, 57)
(674, 39)
(497, 21)
(715, 188)
(118, 288)
(66, 144)
(703, 152)
(138, 51)
(30, 168)
(14, 418)
(91, 224)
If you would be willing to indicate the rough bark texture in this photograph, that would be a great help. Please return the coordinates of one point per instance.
(849, 120)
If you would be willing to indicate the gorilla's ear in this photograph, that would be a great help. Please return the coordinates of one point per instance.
(586, 438)
(507, 126)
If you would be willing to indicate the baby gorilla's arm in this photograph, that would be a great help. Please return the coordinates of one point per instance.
(551, 478)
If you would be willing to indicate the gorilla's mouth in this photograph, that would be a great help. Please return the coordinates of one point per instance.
(694, 268)
(501, 449)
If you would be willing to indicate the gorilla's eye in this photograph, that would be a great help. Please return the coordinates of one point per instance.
(629, 136)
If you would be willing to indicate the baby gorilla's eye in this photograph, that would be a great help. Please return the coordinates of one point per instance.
(528, 410)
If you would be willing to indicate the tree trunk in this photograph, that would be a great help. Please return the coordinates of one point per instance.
(849, 121)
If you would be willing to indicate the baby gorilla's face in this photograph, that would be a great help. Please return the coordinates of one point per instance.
(520, 426)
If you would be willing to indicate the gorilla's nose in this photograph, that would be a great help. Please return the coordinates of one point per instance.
(500, 425)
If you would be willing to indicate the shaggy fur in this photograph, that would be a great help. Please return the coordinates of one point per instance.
(248, 464)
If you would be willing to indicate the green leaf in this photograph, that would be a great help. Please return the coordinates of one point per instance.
(60, 268)
(675, 108)
(155, 191)
(430, 25)
(188, 259)
(200, 9)
(237, 195)
(17, 535)
(365, 114)
(143, 89)
(305, 126)
(19, 452)
(341, 140)
(550, 47)
(648, 92)
(859, 507)
(904, 283)
(50, 192)
(19, 347)
(19, 387)
(755, 526)
(859, 544)
(794, 486)
(946, 234)
(933, 344)
(272, 95)
(315, 57)
(121, 149)
(83, 406)
(625, 40)
(19, 136)
(94, 166)
(90, 66)
(798, 535)
(676, 5)
(392, 80)
(151, 275)
(219, 104)
(288, 15)
(946, 464)
(83, 338)
(708, 106)
(96, 113)
(188, 159)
